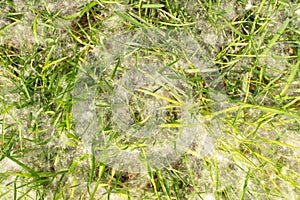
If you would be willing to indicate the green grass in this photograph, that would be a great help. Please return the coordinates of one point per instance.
(45, 45)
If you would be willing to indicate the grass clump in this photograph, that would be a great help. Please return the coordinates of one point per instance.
(255, 47)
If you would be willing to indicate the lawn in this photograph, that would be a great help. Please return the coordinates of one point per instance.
(150, 99)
